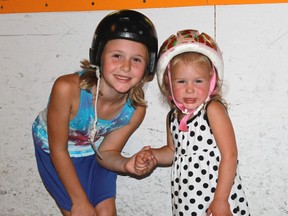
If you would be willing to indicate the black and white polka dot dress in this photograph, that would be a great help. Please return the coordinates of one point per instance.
(195, 170)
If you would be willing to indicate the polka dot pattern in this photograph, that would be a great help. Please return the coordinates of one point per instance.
(195, 170)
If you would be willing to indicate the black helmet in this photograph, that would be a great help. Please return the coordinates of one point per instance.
(125, 24)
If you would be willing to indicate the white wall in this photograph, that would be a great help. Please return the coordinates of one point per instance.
(36, 48)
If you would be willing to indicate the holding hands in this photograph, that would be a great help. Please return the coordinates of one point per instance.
(142, 163)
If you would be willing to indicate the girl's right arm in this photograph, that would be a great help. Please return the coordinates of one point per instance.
(148, 158)
(164, 155)
(62, 102)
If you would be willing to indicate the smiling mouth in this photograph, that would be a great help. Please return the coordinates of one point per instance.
(122, 78)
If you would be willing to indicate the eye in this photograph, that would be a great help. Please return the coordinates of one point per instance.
(137, 60)
(181, 81)
(116, 55)
(198, 81)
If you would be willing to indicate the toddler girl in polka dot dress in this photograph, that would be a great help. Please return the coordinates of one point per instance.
(201, 143)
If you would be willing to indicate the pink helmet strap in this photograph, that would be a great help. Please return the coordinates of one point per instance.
(212, 82)
(189, 112)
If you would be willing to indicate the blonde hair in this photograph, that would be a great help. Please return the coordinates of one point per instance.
(186, 58)
(88, 79)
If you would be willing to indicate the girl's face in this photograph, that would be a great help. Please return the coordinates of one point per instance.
(123, 64)
(190, 83)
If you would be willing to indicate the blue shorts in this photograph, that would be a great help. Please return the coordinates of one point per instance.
(98, 182)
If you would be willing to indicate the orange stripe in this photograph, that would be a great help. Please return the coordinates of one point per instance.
(26, 6)
(230, 2)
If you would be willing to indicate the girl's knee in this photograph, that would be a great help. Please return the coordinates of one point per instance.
(106, 208)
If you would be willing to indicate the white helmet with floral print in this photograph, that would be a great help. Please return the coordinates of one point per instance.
(189, 40)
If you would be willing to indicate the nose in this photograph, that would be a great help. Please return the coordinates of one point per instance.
(189, 88)
(126, 65)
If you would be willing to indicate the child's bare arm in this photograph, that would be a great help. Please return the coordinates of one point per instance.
(164, 155)
(223, 131)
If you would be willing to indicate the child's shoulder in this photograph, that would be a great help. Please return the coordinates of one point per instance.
(215, 105)
(67, 82)
(215, 109)
(72, 78)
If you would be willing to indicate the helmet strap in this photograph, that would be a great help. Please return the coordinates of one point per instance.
(189, 112)
(94, 130)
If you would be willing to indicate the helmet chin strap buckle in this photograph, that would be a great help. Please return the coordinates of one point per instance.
(183, 122)
(185, 111)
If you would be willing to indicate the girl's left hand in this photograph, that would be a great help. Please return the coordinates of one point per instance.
(219, 208)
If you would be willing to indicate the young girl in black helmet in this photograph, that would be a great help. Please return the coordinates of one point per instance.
(201, 145)
(96, 110)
